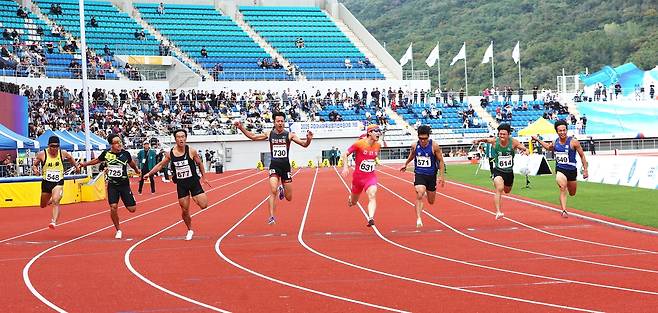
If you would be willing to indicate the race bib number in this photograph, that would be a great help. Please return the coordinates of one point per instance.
(561, 157)
(115, 171)
(423, 161)
(53, 175)
(367, 166)
(183, 171)
(279, 151)
(505, 161)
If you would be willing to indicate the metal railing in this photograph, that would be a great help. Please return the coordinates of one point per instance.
(348, 74)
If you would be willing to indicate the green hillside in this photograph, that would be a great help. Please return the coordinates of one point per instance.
(569, 34)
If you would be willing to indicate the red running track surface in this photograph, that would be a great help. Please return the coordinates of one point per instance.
(320, 257)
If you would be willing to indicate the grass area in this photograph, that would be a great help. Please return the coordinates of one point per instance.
(636, 205)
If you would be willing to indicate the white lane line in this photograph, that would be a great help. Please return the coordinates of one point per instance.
(26, 269)
(227, 259)
(584, 217)
(103, 212)
(301, 240)
(532, 227)
(505, 247)
(128, 263)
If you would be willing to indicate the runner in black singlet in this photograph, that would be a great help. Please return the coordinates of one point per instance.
(184, 164)
(279, 139)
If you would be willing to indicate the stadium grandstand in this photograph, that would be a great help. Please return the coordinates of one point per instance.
(155, 66)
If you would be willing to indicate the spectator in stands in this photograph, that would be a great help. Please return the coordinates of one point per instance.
(617, 90)
(6, 34)
(107, 51)
(348, 62)
(461, 95)
(139, 34)
(93, 22)
(20, 12)
(361, 64)
(204, 52)
(367, 62)
(4, 52)
(50, 48)
(276, 64)
(299, 43)
(216, 70)
(161, 9)
(39, 30)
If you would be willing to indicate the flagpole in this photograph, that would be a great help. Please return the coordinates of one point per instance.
(519, 73)
(438, 61)
(412, 60)
(465, 71)
(493, 79)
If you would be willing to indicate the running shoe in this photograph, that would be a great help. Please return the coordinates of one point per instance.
(499, 215)
(271, 220)
(52, 225)
(118, 235)
(419, 223)
(189, 235)
(281, 192)
(371, 222)
(565, 214)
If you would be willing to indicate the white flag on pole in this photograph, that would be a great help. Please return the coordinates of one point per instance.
(460, 55)
(434, 55)
(516, 54)
(488, 55)
(407, 56)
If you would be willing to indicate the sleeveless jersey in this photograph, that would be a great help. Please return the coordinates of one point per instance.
(53, 168)
(117, 166)
(565, 156)
(365, 156)
(183, 167)
(503, 156)
(425, 160)
(279, 148)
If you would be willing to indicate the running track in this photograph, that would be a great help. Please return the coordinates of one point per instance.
(320, 257)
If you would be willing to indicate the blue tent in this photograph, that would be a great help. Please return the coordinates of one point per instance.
(65, 134)
(9, 140)
(94, 144)
(102, 143)
(64, 143)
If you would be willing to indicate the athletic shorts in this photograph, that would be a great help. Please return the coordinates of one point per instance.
(282, 171)
(360, 184)
(429, 181)
(570, 174)
(508, 177)
(191, 187)
(47, 186)
(121, 191)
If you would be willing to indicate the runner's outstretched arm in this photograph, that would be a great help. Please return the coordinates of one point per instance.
(250, 135)
(197, 160)
(581, 153)
(547, 146)
(303, 142)
(158, 167)
(411, 156)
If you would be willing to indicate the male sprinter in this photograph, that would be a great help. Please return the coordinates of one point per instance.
(503, 150)
(279, 139)
(118, 184)
(52, 170)
(184, 163)
(565, 148)
(365, 151)
(428, 159)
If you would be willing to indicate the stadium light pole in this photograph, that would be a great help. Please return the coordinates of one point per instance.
(85, 94)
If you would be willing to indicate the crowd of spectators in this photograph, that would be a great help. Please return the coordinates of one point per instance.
(138, 113)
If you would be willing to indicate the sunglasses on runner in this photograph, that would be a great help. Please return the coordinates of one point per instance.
(376, 130)
(53, 146)
(423, 138)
